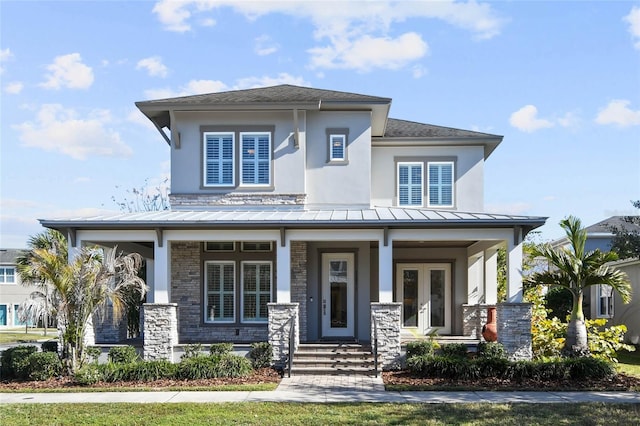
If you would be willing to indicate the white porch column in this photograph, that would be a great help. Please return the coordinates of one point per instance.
(385, 270)
(475, 279)
(491, 276)
(159, 292)
(514, 268)
(283, 265)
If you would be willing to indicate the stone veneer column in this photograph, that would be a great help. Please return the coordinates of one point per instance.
(474, 317)
(279, 329)
(299, 283)
(160, 330)
(514, 329)
(388, 320)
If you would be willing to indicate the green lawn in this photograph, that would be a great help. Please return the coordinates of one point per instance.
(629, 362)
(33, 335)
(319, 414)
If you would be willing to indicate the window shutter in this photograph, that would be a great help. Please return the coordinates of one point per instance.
(256, 159)
(410, 184)
(441, 184)
(219, 159)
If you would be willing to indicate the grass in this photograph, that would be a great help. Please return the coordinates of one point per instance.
(251, 387)
(33, 335)
(319, 414)
(629, 362)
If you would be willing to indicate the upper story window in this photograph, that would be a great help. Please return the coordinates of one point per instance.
(605, 301)
(337, 147)
(255, 167)
(219, 159)
(410, 184)
(7, 275)
(440, 181)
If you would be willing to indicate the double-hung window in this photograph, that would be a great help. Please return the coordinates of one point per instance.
(256, 290)
(440, 181)
(219, 159)
(410, 184)
(220, 289)
(7, 275)
(255, 162)
(605, 301)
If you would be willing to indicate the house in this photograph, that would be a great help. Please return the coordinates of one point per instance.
(601, 301)
(310, 211)
(12, 292)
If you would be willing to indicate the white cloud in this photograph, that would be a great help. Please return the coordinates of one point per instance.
(154, 66)
(633, 19)
(526, 119)
(58, 129)
(418, 71)
(68, 71)
(265, 46)
(618, 112)
(570, 120)
(197, 87)
(14, 88)
(5, 55)
(349, 25)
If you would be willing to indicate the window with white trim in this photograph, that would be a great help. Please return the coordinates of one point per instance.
(256, 291)
(337, 147)
(605, 301)
(440, 184)
(219, 159)
(7, 275)
(255, 162)
(410, 184)
(220, 289)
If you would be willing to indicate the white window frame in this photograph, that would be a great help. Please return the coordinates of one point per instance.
(343, 137)
(209, 246)
(258, 293)
(410, 164)
(206, 160)
(222, 292)
(3, 274)
(256, 161)
(453, 183)
(600, 297)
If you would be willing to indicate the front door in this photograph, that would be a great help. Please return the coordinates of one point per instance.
(337, 309)
(424, 289)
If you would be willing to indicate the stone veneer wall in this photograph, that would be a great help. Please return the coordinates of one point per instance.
(279, 329)
(473, 318)
(186, 291)
(160, 330)
(235, 199)
(299, 283)
(514, 329)
(388, 319)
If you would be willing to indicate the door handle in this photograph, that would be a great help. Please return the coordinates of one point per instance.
(324, 306)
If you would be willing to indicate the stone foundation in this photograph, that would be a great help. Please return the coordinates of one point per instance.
(279, 330)
(387, 316)
(474, 317)
(160, 330)
(514, 329)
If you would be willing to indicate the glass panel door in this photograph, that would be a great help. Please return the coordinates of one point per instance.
(338, 307)
(410, 298)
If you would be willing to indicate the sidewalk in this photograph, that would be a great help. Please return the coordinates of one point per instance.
(324, 389)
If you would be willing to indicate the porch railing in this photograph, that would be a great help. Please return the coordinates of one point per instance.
(375, 343)
(292, 344)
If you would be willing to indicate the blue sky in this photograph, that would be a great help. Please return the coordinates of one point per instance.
(559, 79)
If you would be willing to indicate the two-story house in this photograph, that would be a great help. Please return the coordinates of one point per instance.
(294, 202)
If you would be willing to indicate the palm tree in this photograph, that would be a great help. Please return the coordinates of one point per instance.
(573, 268)
(54, 242)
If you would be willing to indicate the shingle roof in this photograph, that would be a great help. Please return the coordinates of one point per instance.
(284, 93)
(8, 256)
(604, 226)
(411, 129)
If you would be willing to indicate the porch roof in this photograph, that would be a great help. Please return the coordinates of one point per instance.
(377, 217)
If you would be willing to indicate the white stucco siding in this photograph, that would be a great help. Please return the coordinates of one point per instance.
(338, 184)
(468, 165)
(287, 160)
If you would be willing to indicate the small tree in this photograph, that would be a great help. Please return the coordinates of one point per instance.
(575, 269)
(626, 240)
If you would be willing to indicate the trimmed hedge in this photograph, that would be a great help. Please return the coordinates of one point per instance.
(221, 348)
(421, 348)
(43, 365)
(261, 354)
(123, 355)
(13, 362)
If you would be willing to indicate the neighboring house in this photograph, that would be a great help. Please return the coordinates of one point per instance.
(313, 205)
(12, 293)
(601, 301)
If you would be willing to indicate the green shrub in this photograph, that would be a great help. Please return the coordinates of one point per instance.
(14, 363)
(520, 370)
(230, 365)
(123, 354)
(589, 368)
(147, 371)
(447, 367)
(93, 353)
(492, 366)
(114, 372)
(421, 348)
(221, 348)
(43, 365)
(454, 350)
(418, 365)
(191, 351)
(605, 342)
(88, 374)
(202, 367)
(50, 346)
(261, 354)
(491, 350)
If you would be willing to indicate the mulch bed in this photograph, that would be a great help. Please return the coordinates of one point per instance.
(620, 382)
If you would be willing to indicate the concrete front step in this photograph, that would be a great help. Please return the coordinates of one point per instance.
(333, 358)
(321, 371)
